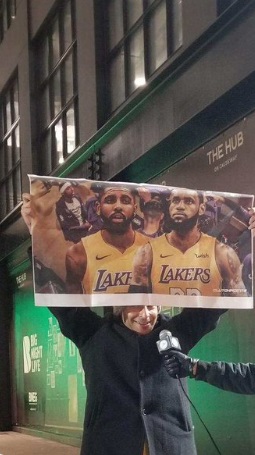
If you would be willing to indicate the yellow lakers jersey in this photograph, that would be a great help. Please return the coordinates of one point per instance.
(108, 270)
(194, 272)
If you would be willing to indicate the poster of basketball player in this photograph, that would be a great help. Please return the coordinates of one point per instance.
(172, 246)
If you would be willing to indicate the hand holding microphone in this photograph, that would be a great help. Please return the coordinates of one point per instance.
(177, 364)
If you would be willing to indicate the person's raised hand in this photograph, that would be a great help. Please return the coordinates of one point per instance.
(38, 206)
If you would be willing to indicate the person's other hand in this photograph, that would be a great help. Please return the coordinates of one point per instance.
(37, 208)
(179, 365)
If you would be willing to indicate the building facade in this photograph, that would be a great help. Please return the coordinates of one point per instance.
(124, 90)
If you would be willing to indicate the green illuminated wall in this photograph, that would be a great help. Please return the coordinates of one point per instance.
(49, 379)
(228, 416)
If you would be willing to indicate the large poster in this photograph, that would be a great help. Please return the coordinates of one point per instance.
(153, 244)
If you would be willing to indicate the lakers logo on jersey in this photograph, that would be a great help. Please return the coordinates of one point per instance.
(106, 280)
(169, 274)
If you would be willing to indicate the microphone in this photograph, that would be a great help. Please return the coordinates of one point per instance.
(167, 342)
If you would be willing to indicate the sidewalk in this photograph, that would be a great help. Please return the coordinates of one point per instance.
(13, 443)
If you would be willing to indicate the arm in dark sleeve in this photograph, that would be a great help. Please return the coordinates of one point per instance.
(84, 213)
(193, 323)
(60, 213)
(234, 377)
(77, 324)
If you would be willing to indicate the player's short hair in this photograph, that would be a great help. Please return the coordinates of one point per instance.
(200, 194)
(152, 206)
(102, 187)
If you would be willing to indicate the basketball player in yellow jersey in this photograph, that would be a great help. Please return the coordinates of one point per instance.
(186, 261)
(103, 261)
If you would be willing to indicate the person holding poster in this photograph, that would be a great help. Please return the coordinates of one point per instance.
(233, 377)
(187, 261)
(132, 407)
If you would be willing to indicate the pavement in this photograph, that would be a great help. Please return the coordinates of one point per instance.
(14, 443)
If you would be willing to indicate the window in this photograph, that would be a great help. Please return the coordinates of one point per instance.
(10, 166)
(57, 113)
(142, 34)
(7, 14)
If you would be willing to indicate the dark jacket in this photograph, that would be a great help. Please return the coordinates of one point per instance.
(130, 396)
(68, 220)
(235, 377)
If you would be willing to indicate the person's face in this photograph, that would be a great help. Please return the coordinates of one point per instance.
(69, 192)
(140, 319)
(184, 209)
(117, 208)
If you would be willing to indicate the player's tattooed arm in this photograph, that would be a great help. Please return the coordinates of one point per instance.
(141, 270)
(231, 270)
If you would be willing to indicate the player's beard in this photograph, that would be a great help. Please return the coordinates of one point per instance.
(116, 228)
(184, 226)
